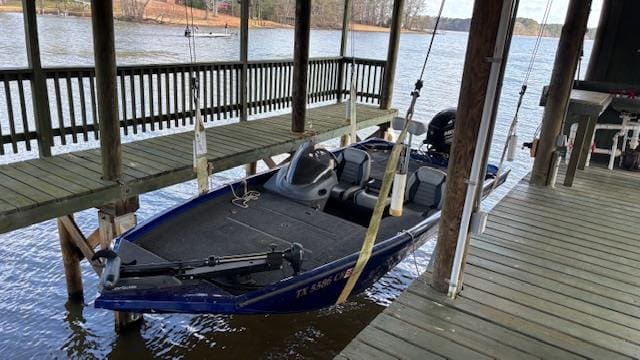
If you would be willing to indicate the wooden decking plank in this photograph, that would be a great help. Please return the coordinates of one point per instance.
(580, 212)
(568, 221)
(22, 191)
(393, 345)
(6, 207)
(61, 164)
(558, 246)
(522, 224)
(502, 316)
(569, 231)
(424, 339)
(358, 350)
(580, 203)
(474, 340)
(584, 262)
(589, 308)
(589, 294)
(587, 284)
(154, 157)
(34, 182)
(490, 329)
(93, 158)
(572, 328)
(68, 182)
(569, 267)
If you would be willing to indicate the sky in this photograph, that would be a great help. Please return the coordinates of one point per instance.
(533, 9)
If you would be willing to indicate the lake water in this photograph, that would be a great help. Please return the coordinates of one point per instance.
(37, 321)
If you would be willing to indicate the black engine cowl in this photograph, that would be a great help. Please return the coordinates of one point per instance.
(441, 130)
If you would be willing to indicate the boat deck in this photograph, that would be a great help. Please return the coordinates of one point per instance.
(36, 190)
(554, 276)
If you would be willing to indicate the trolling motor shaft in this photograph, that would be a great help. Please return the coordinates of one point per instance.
(201, 269)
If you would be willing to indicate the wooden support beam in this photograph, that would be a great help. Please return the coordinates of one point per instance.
(392, 54)
(475, 80)
(79, 241)
(71, 261)
(577, 153)
(106, 87)
(300, 65)
(115, 219)
(270, 163)
(344, 40)
(564, 69)
(244, 56)
(39, 93)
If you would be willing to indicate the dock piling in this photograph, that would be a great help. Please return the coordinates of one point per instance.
(564, 68)
(71, 262)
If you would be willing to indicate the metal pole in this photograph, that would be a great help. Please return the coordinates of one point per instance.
(300, 65)
(39, 94)
(473, 98)
(564, 69)
(106, 87)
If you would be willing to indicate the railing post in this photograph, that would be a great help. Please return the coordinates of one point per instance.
(39, 94)
(346, 16)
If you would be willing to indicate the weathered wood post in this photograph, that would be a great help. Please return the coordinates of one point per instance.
(245, 6)
(475, 80)
(39, 94)
(564, 69)
(346, 16)
(71, 257)
(106, 87)
(300, 65)
(344, 40)
(392, 54)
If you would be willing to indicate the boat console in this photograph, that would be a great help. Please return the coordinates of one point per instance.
(308, 178)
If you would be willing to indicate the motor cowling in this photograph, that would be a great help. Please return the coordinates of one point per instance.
(440, 131)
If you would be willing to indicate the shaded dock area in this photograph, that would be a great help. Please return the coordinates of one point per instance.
(555, 275)
(50, 187)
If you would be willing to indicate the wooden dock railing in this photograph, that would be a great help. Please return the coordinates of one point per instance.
(154, 97)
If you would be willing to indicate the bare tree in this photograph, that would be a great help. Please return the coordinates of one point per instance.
(134, 9)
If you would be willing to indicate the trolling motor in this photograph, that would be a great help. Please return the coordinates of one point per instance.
(213, 266)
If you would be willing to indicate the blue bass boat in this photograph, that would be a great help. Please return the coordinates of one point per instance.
(279, 242)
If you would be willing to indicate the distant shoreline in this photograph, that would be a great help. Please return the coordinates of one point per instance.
(219, 21)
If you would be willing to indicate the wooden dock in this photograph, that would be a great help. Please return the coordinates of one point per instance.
(554, 276)
(50, 187)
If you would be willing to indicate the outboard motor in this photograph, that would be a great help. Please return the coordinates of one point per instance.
(440, 132)
(308, 178)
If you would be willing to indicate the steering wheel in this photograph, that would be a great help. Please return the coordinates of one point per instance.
(321, 153)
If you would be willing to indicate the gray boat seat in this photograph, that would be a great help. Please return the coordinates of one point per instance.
(368, 200)
(353, 169)
(424, 193)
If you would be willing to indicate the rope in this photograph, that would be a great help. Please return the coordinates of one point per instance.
(433, 36)
(248, 195)
(523, 89)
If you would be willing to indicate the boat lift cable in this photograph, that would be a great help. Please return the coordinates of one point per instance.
(511, 143)
(200, 162)
(387, 180)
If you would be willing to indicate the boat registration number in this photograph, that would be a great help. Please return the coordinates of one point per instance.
(323, 283)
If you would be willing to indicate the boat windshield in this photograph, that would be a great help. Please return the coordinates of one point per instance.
(309, 165)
